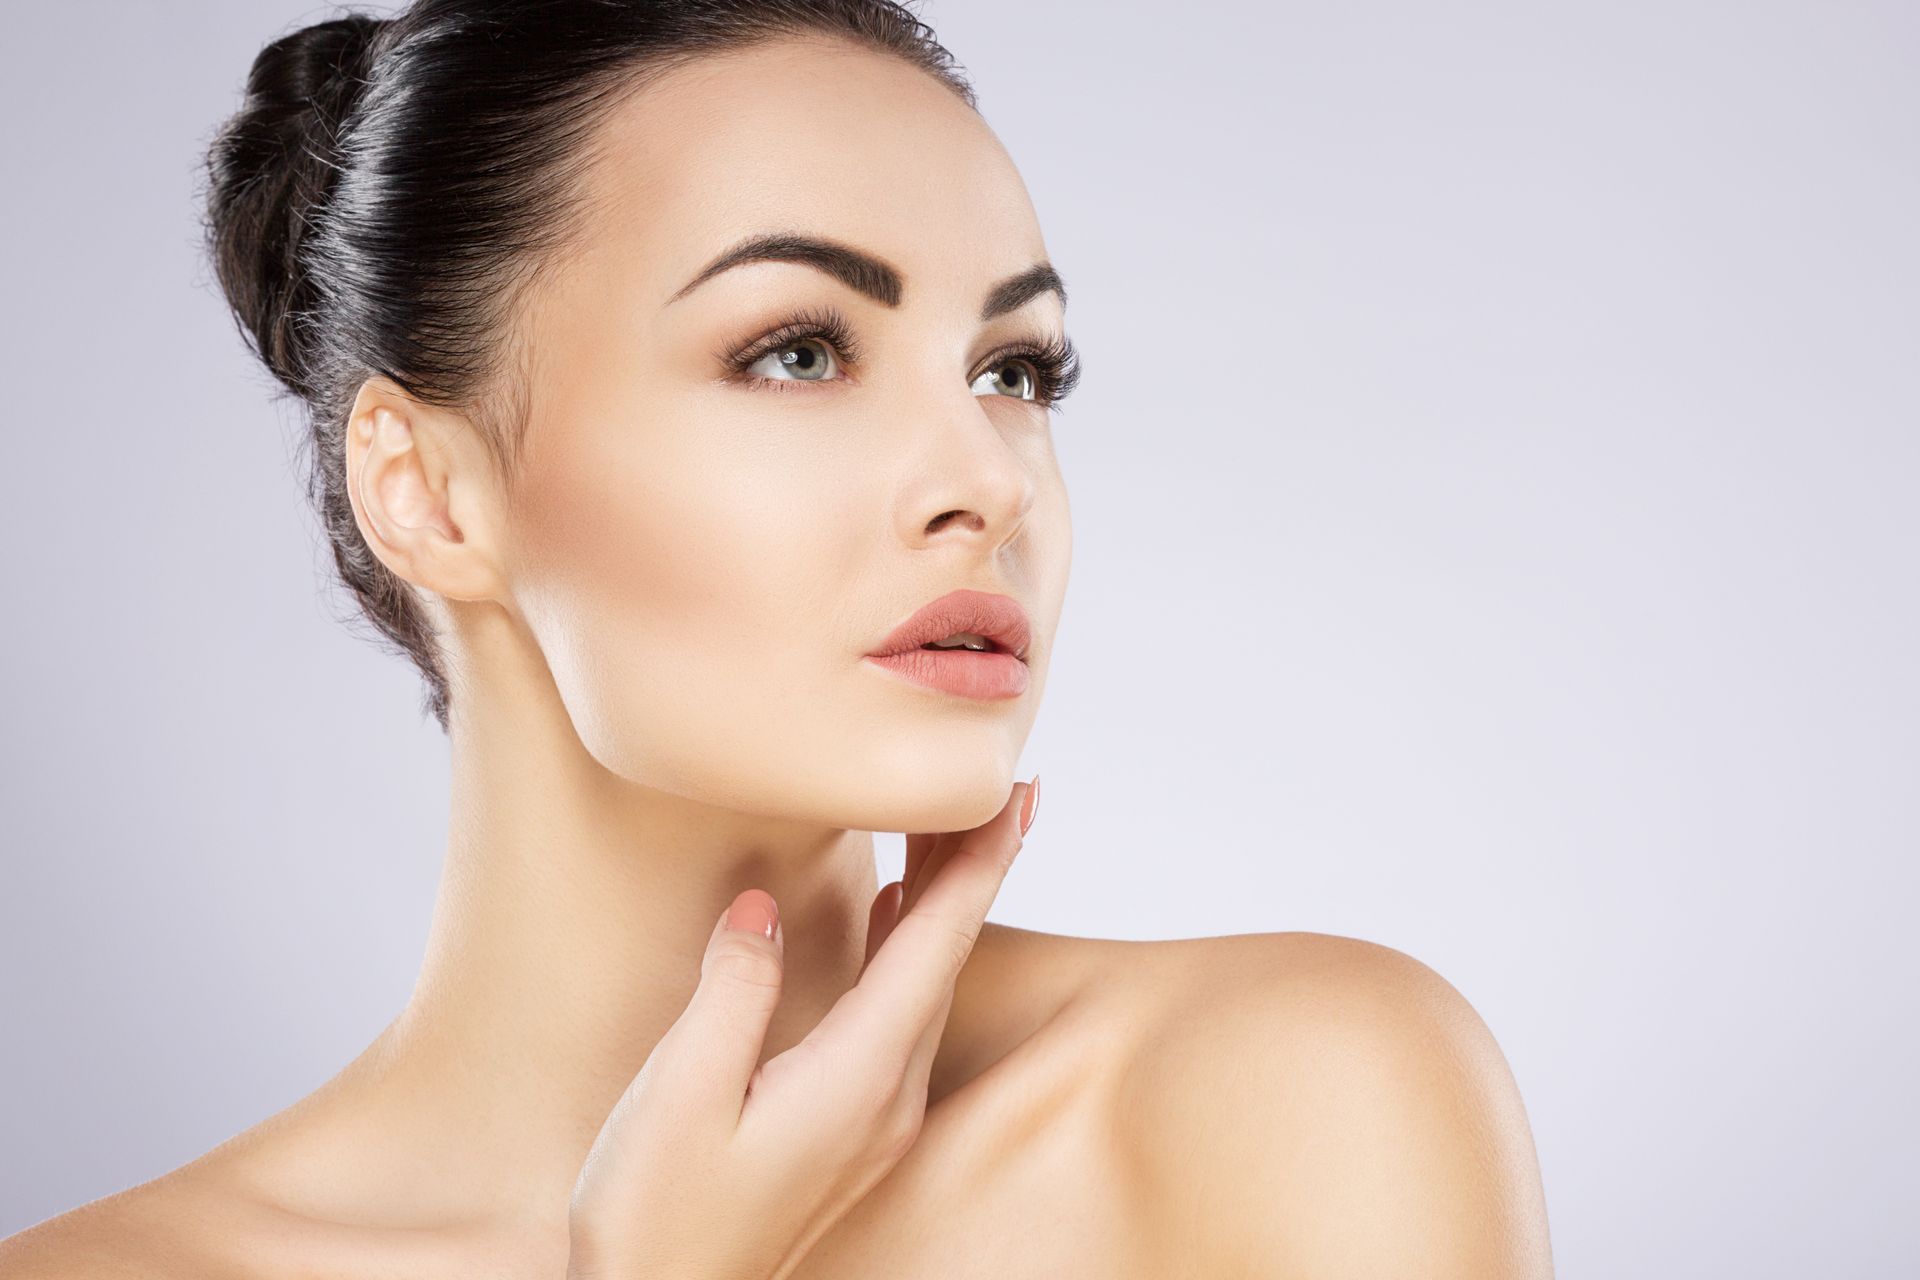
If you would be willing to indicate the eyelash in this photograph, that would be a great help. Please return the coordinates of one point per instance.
(1055, 362)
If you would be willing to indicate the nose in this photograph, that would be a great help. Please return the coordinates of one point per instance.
(973, 479)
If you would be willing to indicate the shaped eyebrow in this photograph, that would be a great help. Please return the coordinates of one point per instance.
(867, 274)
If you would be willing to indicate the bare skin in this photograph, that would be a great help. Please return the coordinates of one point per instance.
(1098, 1107)
(660, 701)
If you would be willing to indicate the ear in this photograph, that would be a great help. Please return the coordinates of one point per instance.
(423, 493)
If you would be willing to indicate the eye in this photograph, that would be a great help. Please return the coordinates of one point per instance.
(809, 345)
(800, 360)
(817, 345)
(1042, 370)
(1018, 375)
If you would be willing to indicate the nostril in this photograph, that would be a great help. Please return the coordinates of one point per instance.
(939, 521)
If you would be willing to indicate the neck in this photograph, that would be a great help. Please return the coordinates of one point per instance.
(572, 913)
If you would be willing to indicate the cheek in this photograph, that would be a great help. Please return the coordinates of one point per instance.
(689, 596)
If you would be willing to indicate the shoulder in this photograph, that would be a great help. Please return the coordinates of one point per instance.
(211, 1220)
(1309, 1104)
(160, 1230)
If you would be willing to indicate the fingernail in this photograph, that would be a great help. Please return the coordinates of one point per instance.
(755, 913)
(1030, 805)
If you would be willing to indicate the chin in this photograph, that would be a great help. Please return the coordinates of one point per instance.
(915, 795)
(960, 811)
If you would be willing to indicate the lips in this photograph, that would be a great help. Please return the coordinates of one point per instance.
(999, 618)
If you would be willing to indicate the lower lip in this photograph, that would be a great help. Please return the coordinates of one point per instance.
(960, 671)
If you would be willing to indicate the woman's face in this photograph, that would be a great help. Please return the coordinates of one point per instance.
(705, 559)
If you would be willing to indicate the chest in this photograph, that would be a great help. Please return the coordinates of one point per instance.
(1034, 1193)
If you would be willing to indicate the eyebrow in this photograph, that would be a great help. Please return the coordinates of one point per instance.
(867, 274)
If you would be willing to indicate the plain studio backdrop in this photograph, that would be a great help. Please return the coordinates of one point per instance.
(1494, 489)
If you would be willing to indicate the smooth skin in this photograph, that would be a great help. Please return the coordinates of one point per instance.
(716, 1164)
(659, 703)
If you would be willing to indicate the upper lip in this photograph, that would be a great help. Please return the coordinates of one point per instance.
(999, 618)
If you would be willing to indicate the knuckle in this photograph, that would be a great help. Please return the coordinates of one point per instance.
(900, 1132)
(882, 1090)
(745, 965)
(997, 853)
(959, 938)
(945, 937)
(952, 938)
(874, 1090)
(810, 1063)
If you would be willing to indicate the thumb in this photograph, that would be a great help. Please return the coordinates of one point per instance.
(725, 1024)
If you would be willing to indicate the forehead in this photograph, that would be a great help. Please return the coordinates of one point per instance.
(814, 137)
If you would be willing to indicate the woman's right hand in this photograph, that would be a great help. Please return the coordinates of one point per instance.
(711, 1166)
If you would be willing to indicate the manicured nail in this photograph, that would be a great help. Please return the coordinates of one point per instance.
(754, 914)
(1030, 805)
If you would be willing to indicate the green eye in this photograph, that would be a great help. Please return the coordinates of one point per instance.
(802, 360)
(815, 345)
(1022, 382)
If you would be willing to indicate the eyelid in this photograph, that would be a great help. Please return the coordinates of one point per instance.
(1053, 358)
(1024, 348)
(825, 323)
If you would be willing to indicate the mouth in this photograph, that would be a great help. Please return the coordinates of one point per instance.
(962, 622)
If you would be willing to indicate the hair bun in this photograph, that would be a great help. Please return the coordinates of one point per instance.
(272, 163)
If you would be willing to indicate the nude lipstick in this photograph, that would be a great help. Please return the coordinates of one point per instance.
(995, 668)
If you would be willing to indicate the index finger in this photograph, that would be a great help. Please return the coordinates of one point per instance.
(911, 975)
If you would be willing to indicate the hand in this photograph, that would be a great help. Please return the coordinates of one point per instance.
(710, 1166)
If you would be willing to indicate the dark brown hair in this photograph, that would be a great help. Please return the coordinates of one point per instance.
(389, 187)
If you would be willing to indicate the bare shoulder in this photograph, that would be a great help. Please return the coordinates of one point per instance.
(1309, 1104)
(171, 1228)
(211, 1220)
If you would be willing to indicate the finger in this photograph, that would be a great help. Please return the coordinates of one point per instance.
(880, 919)
(937, 853)
(920, 1064)
(919, 848)
(913, 1081)
(925, 853)
(712, 1049)
(890, 1007)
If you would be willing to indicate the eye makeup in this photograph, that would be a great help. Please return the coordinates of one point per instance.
(824, 323)
(1053, 360)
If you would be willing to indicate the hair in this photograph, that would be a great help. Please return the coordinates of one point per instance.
(390, 186)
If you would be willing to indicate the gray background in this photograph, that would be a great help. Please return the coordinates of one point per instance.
(1494, 493)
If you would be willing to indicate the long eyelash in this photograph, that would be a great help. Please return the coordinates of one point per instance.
(824, 323)
(1056, 361)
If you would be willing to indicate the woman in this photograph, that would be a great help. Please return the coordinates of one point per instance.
(677, 374)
